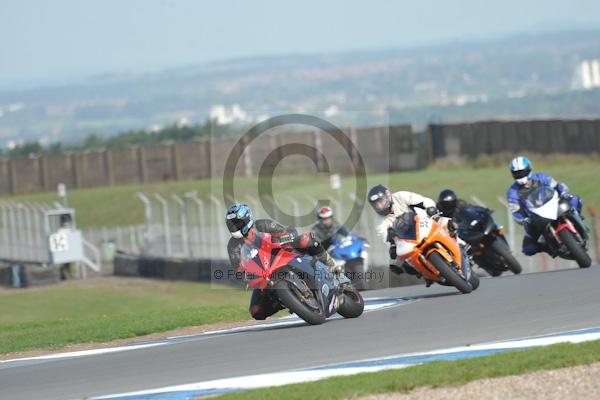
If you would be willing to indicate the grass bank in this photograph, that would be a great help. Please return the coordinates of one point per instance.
(434, 374)
(105, 309)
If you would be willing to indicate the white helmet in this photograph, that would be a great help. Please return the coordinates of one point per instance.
(520, 168)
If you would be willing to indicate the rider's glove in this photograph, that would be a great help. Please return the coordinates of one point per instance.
(525, 221)
(566, 196)
(452, 226)
(393, 252)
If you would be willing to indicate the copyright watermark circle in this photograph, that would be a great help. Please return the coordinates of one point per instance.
(267, 168)
(218, 274)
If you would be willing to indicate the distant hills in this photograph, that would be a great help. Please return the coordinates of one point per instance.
(517, 77)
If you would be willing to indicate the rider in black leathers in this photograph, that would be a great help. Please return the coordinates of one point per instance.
(450, 205)
(327, 227)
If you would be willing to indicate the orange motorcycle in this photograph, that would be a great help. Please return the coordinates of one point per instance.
(428, 247)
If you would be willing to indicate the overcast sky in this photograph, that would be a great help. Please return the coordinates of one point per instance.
(53, 40)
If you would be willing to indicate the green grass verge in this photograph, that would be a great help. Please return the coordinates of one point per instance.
(119, 206)
(101, 310)
(434, 374)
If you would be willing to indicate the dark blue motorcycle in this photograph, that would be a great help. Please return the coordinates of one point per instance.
(488, 246)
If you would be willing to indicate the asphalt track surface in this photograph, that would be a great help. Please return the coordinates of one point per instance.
(502, 308)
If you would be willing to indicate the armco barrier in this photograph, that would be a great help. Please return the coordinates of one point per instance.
(27, 274)
(201, 270)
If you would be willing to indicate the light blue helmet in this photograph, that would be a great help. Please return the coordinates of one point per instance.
(239, 220)
(520, 168)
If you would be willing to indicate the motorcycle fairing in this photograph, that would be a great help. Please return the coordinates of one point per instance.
(544, 206)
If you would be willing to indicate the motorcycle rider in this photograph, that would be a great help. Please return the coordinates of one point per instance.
(327, 227)
(525, 181)
(390, 206)
(449, 204)
(245, 229)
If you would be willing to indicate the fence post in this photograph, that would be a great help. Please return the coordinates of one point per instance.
(201, 221)
(166, 223)
(183, 224)
(510, 222)
(147, 216)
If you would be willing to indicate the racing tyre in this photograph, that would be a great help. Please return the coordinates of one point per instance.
(351, 303)
(451, 276)
(575, 248)
(474, 280)
(501, 249)
(290, 296)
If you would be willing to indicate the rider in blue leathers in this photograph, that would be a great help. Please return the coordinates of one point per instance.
(525, 181)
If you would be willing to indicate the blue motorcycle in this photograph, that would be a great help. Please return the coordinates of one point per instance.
(350, 255)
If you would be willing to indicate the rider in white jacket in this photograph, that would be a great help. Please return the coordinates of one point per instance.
(390, 206)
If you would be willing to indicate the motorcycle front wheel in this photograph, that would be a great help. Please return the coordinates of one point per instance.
(452, 277)
(295, 301)
(575, 248)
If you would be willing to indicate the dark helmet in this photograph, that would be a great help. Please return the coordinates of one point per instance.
(520, 168)
(380, 199)
(239, 220)
(447, 202)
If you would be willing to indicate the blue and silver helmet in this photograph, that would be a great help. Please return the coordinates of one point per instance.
(239, 220)
(520, 168)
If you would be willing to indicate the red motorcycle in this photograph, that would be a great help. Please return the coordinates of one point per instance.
(302, 284)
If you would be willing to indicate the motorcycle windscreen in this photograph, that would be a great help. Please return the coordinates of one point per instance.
(251, 262)
(405, 226)
(543, 201)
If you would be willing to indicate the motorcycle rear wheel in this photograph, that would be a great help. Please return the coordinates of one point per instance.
(288, 297)
(451, 276)
(352, 304)
(502, 250)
